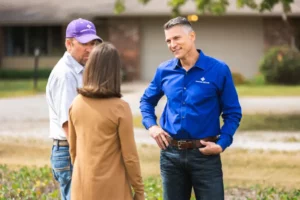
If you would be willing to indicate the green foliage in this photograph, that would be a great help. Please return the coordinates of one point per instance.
(257, 80)
(27, 184)
(273, 193)
(38, 184)
(250, 3)
(238, 78)
(175, 5)
(281, 65)
(144, 1)
(153, 189)
(216, 7)
(119, 6)
(23, 74)
(269, 4)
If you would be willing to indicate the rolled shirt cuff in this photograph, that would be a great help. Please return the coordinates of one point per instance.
(148, 123)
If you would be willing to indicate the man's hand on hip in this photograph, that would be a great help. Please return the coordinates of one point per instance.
(210, 148)
(160, 136)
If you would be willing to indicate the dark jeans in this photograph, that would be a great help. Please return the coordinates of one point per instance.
(182, 170)
(62, 169)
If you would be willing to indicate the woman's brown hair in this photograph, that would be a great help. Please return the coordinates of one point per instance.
(101, 77)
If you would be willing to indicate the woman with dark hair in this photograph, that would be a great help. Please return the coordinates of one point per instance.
(102, 147)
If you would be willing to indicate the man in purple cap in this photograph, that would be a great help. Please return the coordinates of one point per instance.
(65, 78)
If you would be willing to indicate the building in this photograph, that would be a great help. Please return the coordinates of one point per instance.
(239, 37)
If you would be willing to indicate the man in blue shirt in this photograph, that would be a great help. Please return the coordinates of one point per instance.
(199, 89)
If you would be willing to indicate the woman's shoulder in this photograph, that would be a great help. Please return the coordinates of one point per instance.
(120, 102)
(119, 105)
(77, 99)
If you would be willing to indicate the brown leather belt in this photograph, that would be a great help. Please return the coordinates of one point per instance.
(191, 144)
(62, 143)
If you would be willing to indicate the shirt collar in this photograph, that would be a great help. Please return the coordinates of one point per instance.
(75, 65)
(200, 63)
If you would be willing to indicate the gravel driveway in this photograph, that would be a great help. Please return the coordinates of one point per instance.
(26, 118)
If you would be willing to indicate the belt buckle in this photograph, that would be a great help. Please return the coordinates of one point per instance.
(179, 143)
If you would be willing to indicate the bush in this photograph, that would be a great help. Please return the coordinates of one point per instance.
(238, 78)
(258, 79)
(23, 74)
(281, 65)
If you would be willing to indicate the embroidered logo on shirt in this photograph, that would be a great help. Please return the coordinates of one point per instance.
(202, 80)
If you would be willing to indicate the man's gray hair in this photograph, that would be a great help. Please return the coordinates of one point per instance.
(178, 21)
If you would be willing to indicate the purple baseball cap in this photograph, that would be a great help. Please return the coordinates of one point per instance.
(82, 30)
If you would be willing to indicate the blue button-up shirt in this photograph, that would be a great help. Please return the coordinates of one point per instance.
(195, 100)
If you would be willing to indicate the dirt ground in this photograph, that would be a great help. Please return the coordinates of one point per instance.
(16, 154)
(243, 169)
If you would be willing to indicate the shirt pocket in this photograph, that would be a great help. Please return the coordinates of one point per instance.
(203, 91)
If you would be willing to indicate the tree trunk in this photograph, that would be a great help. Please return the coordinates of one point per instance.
(291, 31)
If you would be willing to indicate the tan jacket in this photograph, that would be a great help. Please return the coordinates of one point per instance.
(103, 150)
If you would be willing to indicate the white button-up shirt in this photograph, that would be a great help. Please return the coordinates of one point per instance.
(61, 89)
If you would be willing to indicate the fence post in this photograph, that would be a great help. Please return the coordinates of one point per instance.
(36, 65)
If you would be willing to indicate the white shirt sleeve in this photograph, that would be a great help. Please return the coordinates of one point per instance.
(63, 95)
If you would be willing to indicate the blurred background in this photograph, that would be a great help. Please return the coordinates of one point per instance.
(259, 40)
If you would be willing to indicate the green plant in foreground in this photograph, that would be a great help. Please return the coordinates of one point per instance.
(27, 183)
(273, 193)
(31, 183)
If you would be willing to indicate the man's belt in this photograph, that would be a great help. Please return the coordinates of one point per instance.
(191, 144)
(62, 143)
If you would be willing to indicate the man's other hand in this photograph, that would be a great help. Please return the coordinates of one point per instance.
(160, 136)
(210, 148)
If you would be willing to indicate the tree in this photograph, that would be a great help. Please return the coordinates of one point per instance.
(218, 7)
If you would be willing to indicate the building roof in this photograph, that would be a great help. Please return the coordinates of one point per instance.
(57, 11)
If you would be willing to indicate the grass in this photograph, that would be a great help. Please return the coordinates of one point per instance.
(15, 88)
(246, 168)
(258, 122)
(291, 139)
(284, 122)
(267, 90)
(17, 153)
(242, 168)
(37, 184)
(254, 174)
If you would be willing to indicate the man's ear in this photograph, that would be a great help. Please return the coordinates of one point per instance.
(193, 35)
(68, 44)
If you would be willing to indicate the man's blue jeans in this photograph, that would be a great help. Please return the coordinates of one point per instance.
(182, 170)
(62, 169)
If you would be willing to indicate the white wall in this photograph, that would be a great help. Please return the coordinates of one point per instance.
(27, 62)
(236, 40)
